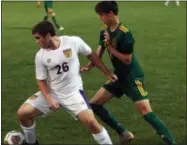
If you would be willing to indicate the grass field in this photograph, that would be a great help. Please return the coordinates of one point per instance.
(160, 34)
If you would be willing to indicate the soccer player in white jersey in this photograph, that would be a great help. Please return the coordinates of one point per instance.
(58, 77)
(167, 2)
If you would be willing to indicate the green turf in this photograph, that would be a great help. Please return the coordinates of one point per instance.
(160, 34)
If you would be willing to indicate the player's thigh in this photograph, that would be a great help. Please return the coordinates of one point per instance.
(27, 111)
(105, 93)
(75, 103)
(101, 97)
(136, 90)
(38, 102)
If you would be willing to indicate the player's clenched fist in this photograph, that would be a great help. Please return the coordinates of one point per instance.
(107, 37)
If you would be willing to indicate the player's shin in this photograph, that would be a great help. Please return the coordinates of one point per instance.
(106, 116)
(102, 137)
(160, 127)
(29, 133)
(45, 18)
(54, 21)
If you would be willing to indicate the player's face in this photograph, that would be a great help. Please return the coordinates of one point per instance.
(105, 18)
(41, 41)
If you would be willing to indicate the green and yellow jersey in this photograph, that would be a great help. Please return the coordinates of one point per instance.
(122, 40)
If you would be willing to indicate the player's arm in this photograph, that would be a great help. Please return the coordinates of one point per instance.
(99, 53)
(44, 89)
(41, 76)
(100, 49)
(86, 50)
(96, 61)
(124, 57)
(126, 48)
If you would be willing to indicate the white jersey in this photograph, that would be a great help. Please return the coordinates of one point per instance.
(61, 67)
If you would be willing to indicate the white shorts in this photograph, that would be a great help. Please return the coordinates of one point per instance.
(73, 104)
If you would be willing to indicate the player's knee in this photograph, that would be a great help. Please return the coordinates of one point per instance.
(143, 108)
(21, 113)
(92, 125)
(88, 118)
(53, 14)
(24, 113)
(91, 122)
(49, 14)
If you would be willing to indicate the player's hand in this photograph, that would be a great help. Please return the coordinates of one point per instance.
(112, 77)
(87, 68)
(107, 38)
(84, 69)
(107, 42)
(53, 105)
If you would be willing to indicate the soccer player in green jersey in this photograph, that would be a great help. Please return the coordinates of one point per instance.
(118, 41)
(48, 5)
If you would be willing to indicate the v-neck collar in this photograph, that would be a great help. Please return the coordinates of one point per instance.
(115, 29)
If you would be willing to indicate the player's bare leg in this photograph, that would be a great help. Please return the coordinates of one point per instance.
(26, 115)
(52, 15)
(97, 102)
(99, 133)
(101, 97)
(144, 108)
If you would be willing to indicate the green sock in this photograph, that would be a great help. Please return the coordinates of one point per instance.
(54, 21)
(105, 116)
(45, 18)
(160, 127)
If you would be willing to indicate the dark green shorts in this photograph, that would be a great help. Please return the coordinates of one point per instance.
(48, 5)
(133, 88)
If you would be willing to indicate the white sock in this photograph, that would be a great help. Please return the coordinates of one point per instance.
(167, 2)
(102, 137)
(29, 133)
(177, 2)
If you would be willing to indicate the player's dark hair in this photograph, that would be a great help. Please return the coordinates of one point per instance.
(106, 7)
(43, 28)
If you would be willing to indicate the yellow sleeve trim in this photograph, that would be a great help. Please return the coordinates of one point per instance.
(124, 29)
(105, 27)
